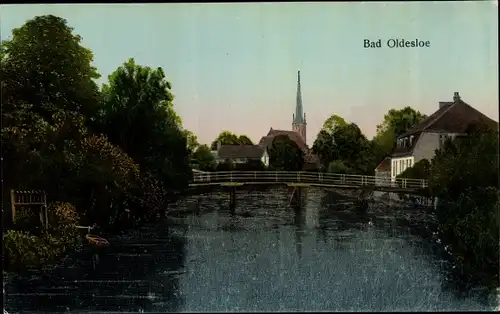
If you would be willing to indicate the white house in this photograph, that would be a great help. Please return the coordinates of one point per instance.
(422, 140)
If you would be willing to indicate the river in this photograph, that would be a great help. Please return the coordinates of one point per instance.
(269, 256)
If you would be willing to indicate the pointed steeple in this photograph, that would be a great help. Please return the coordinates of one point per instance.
(299, 112)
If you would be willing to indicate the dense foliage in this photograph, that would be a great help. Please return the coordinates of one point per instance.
(340, 142)
(203, 159)
(285, 155)
(420, 170)
(395, 123)
(229, 138)
(106, 151)
(464, 175)
(28, 249)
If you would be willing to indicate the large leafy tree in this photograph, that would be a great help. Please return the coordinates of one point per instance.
(192, 141)
(229, 138)
(353, 149)
(244, 140)
(285, 155)
(324, 148)
(138, 116)
(464, 175)
(204, 158)
(395, 123)
(332, 122)
(45, 65)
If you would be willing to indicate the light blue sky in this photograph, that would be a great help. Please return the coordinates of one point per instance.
(234, 66)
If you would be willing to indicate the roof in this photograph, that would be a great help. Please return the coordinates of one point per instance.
(240, 151)
(267, 141)
(451, 117)
(384, 166)
(406, 150)
(294, 136)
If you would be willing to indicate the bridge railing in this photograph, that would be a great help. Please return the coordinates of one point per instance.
(307, 177)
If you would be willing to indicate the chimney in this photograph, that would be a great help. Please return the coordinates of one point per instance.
(218, 145)
(456, 97)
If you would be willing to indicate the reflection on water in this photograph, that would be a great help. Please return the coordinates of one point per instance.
(269, 256)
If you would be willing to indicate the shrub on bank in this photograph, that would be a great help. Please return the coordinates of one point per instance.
(25, 249)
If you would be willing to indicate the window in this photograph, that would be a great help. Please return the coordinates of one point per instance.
(411, 140)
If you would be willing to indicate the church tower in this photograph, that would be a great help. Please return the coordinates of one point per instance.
(299, 118)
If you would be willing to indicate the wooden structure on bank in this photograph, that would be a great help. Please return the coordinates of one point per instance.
(30, 199)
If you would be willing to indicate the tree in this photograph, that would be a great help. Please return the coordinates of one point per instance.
(464, 175)
(192, 141)
(225, 138)
(332, 122)
(420, 170)
(353, 148)
(324, 148)
(45, 65)
(395, 123)
(467, 162)
(204, 158)
(229, 138)
(337, 166)
(285, 155)
(244, 140)
(138, 116)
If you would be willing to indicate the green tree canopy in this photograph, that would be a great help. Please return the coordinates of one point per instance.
(395, 123)
(229, 138)
(244, 140)
(138, 116)
(192, 141)
(285, 155)
(204, 158)
(353, 148)
(325, 148)
(332, 122)
(464, 175)
(45, 65)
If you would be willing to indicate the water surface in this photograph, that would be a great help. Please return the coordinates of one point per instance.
(269, 256)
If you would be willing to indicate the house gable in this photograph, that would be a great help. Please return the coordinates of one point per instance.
(452, 118)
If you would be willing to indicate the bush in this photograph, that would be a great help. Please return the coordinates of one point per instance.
(337, 166)
(27, 219)
(470, 226)
(420, 170)
(24, 250)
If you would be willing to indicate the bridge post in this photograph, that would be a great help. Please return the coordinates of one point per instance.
(276, 173)
(232, 200)
(255, 176)
(298, 176)
(231, 176)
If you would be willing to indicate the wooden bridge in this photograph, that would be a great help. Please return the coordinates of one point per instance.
(305, 179)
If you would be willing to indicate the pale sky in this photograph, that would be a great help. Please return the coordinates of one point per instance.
(234, 66)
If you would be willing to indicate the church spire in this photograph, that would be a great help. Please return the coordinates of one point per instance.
(299, 115)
